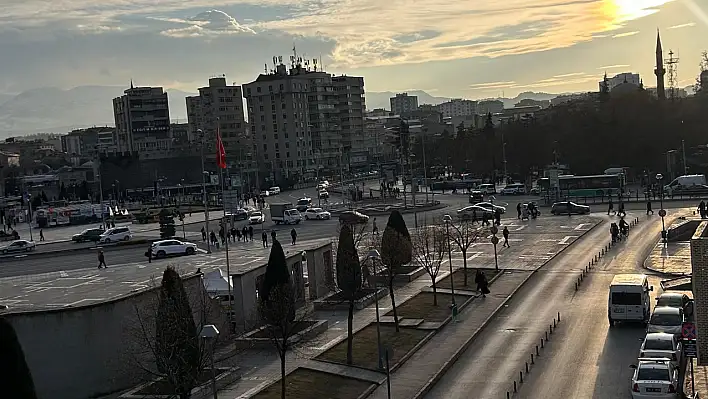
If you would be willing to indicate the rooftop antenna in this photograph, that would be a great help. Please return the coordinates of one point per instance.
(314, 62)
(266, 68)
(672, 71)
(280, 59)
(131, 84)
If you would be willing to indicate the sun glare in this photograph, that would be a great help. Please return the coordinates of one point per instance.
(627, 10)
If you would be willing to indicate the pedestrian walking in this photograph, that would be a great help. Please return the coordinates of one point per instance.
(101, 260)
(505, 233)
(375, 228)
(497, 217)
(264, 237)
(244, 233)
(250, 232)
(702, 209)
(482, 284)
(212, 236)
(149, 254)
(649, 208)
(237, 234)
(293, 234)
(204, 235)
(610, 207)
(41, 235)
(518, 210)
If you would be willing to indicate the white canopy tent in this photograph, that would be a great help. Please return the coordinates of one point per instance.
(216, 284)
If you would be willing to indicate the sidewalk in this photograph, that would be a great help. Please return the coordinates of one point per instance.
(424, 368)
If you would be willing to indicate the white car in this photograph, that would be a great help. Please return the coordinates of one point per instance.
(655, 379)
(19, 246)
(514, 189)
(163, 248)
(115, 234)
(666, 320)
(256, 218)
(477, 211)
(274, 190)
(491, 206)
(317, 213)
(662, 346)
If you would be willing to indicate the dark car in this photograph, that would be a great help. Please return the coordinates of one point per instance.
(88, 235)
(476, 197)
(353, 217)
(561, 208)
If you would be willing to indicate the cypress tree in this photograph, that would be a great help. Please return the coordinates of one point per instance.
(15, 377)
(348, 277)
(396, 251)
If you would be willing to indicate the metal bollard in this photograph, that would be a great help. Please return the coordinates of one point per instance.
(508, 395)
(532, 359)
(550, 328)
(576, 285)
(541, 343)
(554, 323)
(515, 387)
(559, 316)
(527, 367)
(521, 377)
(537, 347)
(546, 335)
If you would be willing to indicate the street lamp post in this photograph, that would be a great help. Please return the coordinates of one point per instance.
(448, 219)
(209, 333)
(662, 212)
(204, 192)
(375, 256)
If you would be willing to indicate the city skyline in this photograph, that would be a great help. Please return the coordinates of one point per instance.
(563, 46)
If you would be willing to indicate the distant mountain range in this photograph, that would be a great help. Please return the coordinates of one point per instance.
(381, 99)
(52, 110)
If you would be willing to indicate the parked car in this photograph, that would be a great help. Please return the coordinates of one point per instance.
(662, 345)
(666, 319)
(487, 188)
(163, 248)
(655, 378)
(115, 234)
(561, 208)
(514, 189)
(353, 217)
(303, 203)
(673, 300)
(18, 246)
(256, 218)
(317, 213)
(92, 235)
(274, 190)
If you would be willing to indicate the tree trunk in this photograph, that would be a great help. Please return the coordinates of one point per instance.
(282, 375)
(435, 293)
(393, 302)
(464, 264)
(350, 333)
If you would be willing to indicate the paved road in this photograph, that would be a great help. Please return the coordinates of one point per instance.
(585, 359)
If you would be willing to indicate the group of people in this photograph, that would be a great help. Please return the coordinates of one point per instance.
(526, 211)
(619, 230)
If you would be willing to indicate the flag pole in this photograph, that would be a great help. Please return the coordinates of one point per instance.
(221, 164)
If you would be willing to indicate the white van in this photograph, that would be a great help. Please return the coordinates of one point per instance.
(514, 189)
(487, 188)
(684, 182)
(629, 299)
(115, 234)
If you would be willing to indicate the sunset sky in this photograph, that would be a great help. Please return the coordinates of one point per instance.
(471, 49)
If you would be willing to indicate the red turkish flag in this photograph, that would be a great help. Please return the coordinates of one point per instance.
(220, 152)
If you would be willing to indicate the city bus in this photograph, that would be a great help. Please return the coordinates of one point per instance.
(585, 186)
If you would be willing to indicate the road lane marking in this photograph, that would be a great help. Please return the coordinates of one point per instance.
(580, 226)
(565, 240)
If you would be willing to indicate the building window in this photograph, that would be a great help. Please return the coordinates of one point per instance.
(270, 89)
(287, 145)
(275, 136)
(287, 154)
(258, 89)
(277, 155)
(265, 156)
(262, 118)
(265, 147)
(277, 146)
(261, 108)
(281, 87)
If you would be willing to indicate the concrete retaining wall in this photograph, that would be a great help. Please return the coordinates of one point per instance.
(682, 231)
(89, 351)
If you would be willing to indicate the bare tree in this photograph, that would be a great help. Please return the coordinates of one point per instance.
(464, 234)
(278, 307)
(429, 248)
(163, 341)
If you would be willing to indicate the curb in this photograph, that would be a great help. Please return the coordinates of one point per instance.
(110, 247)
(448, 364)
(659, 272)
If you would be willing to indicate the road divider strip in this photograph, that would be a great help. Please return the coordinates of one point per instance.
(142, 241)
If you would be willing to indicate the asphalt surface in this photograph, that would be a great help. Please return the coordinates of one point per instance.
(585, 358)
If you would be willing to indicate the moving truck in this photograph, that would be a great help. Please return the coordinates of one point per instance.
(284, 213)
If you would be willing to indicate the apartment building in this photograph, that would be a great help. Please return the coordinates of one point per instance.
(142, 117)
(303, 120)
(457, 107)
(89, 142)
(403, 103)
(222, 104)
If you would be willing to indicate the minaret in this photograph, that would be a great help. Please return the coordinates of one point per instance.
(659, 71)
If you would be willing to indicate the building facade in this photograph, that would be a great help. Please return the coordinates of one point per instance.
(622, 78)
(142, 117)
(458, 107)
(303, 121)
(88, 143)
(403, 103)
(489, 106)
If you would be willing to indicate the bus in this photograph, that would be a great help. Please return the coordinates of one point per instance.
(585, 186)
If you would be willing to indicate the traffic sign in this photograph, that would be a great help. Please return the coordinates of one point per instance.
(688, 331)
(689, 348)
(495, 240)
(494, 229)
(662, 212)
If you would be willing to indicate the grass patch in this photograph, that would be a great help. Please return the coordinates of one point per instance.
(459, 278)
(365, 351)
(421, 307)
(306, 384)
